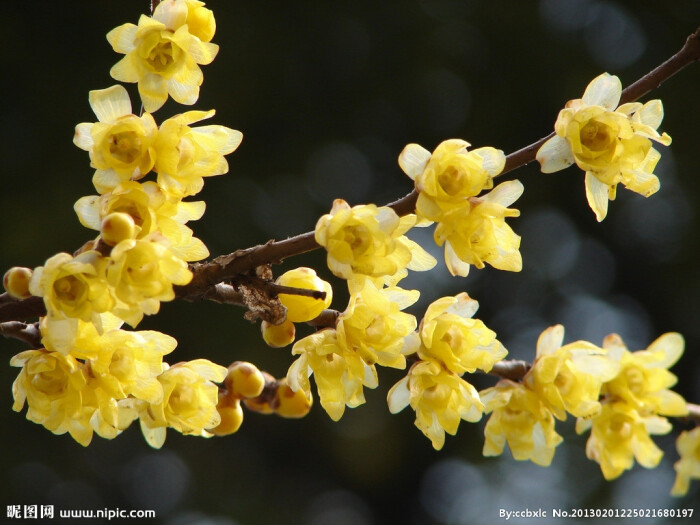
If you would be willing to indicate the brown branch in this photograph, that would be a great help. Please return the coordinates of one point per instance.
(29, 333)
(689, 53)
(513, 369)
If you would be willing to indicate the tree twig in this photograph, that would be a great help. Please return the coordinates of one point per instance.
(29, 333)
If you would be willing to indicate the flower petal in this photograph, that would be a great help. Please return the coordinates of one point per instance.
(111, 103)
(555, 155)
(413, 160)
(604, 90)
(597, 196)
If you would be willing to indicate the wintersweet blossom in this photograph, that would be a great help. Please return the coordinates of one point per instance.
(120, 144)
(163, 56)
(142, 273)
(186, 154)
(610, 143)
(450, 175)
(152, 210)
(440, 398)
(189, 401)
(476, 233)
(644, 380)
(450, 336)
(688, 466)
(73, 287)
(52, 385)
(369, 240)
(619, 435)
(569, 378)
(340, 374)
(520, 419)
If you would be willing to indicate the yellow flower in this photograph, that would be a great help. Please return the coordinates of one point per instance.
(300, 308)
(440, 398)
(619, 435)
(569, 378)
(520, 419)
(73, 286)
(153, 210)
(688, 466)
(189, 399)
(53, 386)
(142, 273)
(450, 336)
(128, 363)
(476, 232)
(373, 325)
(120, 144)
(611, 145)
(369, 240)
(186, 154)
(644, 379)
(340, 373)
(450, 175)
(162, 55)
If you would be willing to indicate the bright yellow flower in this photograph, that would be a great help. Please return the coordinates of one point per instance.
(153, 210)
(644, 380)
(619, 435)
(373, 325)
(450, 336)
(340, 373)
(569, 378)
(189, 399)
(440, 398)
(162, 55)
(369, 240)
(688, 466)
(611, 145)
(142, 273)
(476, 232)
(520, 419)
(128, 363)
(120, 144)
(186, 154)
(300, 308)
(53, 386)
(450, 175)
(73, 286)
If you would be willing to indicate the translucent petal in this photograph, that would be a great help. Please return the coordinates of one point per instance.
(506, 193)
(597, 196)
(122, 38)
(651, 113)
(111, 103)
(455, 265)
(155, 437)
(550, 340)
(153, 91)
(82, 137)
(604, 90)
(88, 210)
(555, 155)
(493, 160)
(413, 160)
(124, 70)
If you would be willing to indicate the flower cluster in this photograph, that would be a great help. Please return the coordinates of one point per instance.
(91, 375)
(611, 144)
(472, 228)
(450, 344)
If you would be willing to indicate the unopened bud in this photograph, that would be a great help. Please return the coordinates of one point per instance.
(16, 282)
(244, 380)
(117, 227)
(291, 404)
(231, 414)
(302, 308)
(278, 335)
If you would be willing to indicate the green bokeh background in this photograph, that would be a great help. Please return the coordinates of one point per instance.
(327, 94)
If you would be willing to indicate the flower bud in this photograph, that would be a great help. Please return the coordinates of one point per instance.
(280, 335)
(201, 23)
(231, 414)
(16, 282)
(301, 308)
(244, 380)
(117, 227)
(291, 404)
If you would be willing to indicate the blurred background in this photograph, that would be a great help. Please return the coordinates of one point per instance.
(327, 94)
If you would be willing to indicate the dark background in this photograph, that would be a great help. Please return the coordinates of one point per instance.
(327, 94)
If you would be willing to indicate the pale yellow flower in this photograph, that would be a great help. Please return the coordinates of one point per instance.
(186, 154)
(520, 419)
(121, 143)
(450, 336)
(611, 145)
(619, 435)
(164, 59)
(440, 398)
(569, 378)
(369, 240)
(688, 466)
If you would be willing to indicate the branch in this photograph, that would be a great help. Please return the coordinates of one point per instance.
(29, 333)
